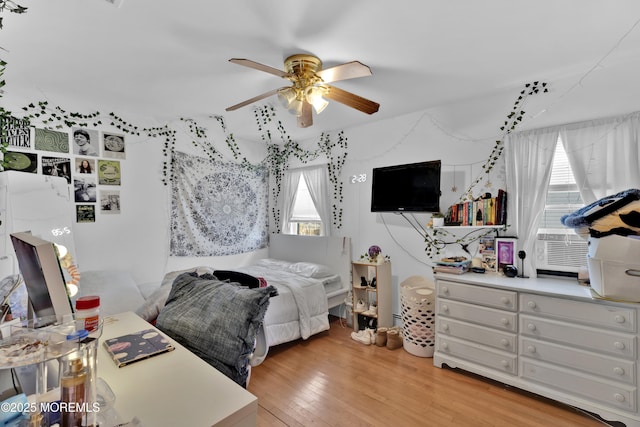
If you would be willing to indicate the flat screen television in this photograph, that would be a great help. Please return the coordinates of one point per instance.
(413, 187)
(43, 278)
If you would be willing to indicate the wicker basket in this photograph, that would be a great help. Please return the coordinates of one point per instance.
(417, 297)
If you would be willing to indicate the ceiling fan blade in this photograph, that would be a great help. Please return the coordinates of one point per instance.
(349, 70)
(352, 100)
(254, 99)
(305, 119)
(257, 66)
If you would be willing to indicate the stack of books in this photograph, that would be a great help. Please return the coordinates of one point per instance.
(453, 265)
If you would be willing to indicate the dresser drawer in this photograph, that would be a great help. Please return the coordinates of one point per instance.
(499, 319)
(490, 297)
(586, 361)
(576, 383)
(495, 359)
(596, 314)
(586, 337)
(479, 334)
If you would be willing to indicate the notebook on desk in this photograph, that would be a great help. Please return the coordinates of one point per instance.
(141, 345)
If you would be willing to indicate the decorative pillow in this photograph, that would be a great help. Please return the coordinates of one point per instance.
(151, 307)
(311, 269)
(274, 264)
(216, 320)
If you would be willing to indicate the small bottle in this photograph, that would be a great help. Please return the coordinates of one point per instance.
(72, 392)
(88, 310)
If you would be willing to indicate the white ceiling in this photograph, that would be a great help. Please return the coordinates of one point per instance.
(159, 60)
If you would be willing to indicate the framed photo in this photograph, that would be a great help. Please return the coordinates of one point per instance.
(506, 249)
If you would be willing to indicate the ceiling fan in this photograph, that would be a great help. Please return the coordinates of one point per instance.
(310, 86)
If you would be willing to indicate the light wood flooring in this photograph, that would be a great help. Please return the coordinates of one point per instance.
(332, 380)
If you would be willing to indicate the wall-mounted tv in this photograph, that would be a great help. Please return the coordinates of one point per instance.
(43, 278)
(411, 187)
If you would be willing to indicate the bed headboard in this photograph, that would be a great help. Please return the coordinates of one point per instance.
(332, 251)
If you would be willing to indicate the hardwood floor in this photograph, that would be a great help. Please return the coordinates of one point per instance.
(332, 380)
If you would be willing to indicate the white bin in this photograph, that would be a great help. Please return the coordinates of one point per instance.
(417, 298)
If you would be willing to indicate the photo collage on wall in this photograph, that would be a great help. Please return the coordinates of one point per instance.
(88, 159)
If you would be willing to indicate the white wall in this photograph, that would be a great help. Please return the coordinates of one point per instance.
(137, 240)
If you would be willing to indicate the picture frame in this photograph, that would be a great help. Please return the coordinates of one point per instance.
(506, 250)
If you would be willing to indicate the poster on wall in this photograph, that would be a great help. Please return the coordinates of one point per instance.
(17, 132)
(108, 172)
(51, 140)
(85, 213)
(19, 161)
(113, 146)
(56, 166)
(85, 142)
(85, 165)
(109, 202)
(84, 189)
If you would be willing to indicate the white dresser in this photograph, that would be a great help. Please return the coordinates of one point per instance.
(547, 336)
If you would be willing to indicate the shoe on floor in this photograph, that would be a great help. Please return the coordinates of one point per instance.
(363, 336)
(381, 337)
(394, 339)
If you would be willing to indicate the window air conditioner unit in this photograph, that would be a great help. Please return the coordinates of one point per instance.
(560, 252)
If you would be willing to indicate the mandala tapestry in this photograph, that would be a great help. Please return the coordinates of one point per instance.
(217, 208)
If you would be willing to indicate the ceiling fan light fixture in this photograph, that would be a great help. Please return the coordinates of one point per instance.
(286, 96)
(314, 97)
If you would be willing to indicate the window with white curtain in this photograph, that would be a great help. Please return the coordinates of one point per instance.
(557, 247)
(305, 219)
(306, 201)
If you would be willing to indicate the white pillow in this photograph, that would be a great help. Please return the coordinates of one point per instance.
(311, 269)
(273, 264)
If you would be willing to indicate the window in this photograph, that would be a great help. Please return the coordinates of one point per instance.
(305, 219)
(558, 248)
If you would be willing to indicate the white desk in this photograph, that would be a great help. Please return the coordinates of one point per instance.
(172, 389)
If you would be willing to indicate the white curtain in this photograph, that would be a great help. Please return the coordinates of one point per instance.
(528, 161)
(317, 180)
(289, 192)
(604, 155)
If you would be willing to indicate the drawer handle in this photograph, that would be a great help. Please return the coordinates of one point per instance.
(531, 348)
(445, 327)
(619, 345)
(619, 319)
(445, 290)
(445, 308)
(618, 370)
(504, 321)
(504, 342)
(532, 304)
(619, 397)
(505, 301)
(504, 363)
(631, 272)
(445, 346)
(531, 327)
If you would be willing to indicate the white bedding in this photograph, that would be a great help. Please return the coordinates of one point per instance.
(300, 309)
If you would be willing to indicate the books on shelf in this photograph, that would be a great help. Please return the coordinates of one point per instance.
(487, 211)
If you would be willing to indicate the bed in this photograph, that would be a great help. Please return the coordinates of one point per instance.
(312, 275)
(302, 305)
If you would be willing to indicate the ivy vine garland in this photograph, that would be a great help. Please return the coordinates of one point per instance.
(440, 238)
(277, 160)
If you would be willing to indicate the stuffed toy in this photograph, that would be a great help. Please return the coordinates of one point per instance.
(618, 214)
